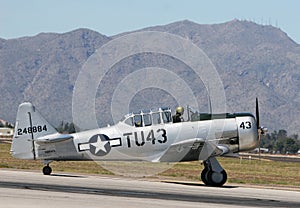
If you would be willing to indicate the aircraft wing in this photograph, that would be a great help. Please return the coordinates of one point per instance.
(180, 150)
(193, 149)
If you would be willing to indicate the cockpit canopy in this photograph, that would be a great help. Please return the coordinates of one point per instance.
(163, 115)
(148, 117)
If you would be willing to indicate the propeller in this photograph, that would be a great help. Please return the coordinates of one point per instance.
(261, 130)
(258, 126)
(257, 114)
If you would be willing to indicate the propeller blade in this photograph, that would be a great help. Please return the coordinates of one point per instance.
(258, 127)
(257, 114)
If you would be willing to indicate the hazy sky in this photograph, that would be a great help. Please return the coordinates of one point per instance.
(30, 17)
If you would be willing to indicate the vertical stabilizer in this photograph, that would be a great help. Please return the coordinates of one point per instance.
(29, 126)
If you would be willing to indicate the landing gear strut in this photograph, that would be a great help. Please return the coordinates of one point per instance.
(213, 174)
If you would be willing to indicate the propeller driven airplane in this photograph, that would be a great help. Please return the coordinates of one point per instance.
(152, 135)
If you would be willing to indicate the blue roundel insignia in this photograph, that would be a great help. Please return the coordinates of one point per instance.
(99, 145)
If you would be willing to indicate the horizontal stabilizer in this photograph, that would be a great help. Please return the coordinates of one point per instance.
(52, 138)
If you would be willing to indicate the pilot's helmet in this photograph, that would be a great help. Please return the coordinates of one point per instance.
(138, 124)
(179, 110)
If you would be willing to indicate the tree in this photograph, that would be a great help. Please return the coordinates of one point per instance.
(60, 128)
(282, 134)
(279, 146)
(72, 128)
(9, 125)
(291, 146)
(66, 128)
(281, 142)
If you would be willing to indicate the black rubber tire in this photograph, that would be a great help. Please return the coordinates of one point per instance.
(217, 179)
(47, 170)
(204, 176)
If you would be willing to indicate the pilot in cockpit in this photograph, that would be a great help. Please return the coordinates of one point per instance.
(178, 116)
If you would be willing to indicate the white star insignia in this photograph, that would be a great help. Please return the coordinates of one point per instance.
(100, 145)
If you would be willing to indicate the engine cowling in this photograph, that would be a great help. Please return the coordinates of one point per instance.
(247, 132)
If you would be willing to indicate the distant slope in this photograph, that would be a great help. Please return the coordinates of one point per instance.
(43, 69)
(253, 61)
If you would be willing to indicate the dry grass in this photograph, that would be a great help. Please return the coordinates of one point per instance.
(239, 171)
(245, 171)
(7, 161)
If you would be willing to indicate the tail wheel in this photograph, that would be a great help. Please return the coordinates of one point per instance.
(47, 170)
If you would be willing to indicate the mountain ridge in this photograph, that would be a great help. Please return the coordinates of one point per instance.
(253, 61)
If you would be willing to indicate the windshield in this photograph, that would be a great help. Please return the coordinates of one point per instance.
(148, 117)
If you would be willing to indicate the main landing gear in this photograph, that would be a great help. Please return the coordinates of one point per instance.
(213, 174)
(47, 170)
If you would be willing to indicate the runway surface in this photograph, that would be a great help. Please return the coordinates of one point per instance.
(32, 189)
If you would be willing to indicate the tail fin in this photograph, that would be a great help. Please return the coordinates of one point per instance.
(29, 126)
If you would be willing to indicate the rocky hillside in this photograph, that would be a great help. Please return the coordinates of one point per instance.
(252, 60)
(43, 69)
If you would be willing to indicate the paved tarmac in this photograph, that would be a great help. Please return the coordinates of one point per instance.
(32, 189)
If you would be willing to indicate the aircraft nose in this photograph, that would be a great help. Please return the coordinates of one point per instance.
(248, 133)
